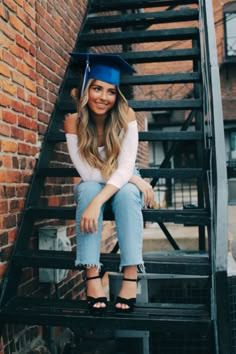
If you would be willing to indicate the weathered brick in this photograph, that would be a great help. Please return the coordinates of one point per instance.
(30, 10)
(7, 30)
(4, 13)
(10, 4)
(16, 23)
(21, 93)
(5, 129)
(9, 117)
(30, 137)
(5, 70)
(22, 42)
(3, 206)
(27, 123)
(7, 161)
(18, 106)
(17, 133)
(9, 146)
(17, 77)
(3, 268)
(9, 88)
(30, 85)
(30, 111)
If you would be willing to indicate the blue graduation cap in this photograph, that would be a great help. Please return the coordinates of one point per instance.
(104, 67)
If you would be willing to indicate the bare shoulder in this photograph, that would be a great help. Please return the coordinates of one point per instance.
(70, 123)
(131, 115)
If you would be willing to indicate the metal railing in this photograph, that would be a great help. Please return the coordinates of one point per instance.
(216, 175)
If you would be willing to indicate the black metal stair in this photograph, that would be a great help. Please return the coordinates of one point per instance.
(132, 28)
(158, 317)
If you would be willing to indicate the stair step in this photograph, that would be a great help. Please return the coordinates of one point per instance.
(142, 106)
(148, 79)
(169, 263)
(180, 173)
(54, 138)
(74, 313)
(160, 55)
(193, 216)
(112, 38)
(106, 5)
(141, 19)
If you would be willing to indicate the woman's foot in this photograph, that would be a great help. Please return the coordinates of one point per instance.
(127, 296)
(96, 298)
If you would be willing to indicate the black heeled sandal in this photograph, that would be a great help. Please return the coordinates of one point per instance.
(129, 302)
(94, 300)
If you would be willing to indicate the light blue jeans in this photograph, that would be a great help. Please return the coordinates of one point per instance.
(126, 205)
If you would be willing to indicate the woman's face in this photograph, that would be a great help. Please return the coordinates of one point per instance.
(101, 97)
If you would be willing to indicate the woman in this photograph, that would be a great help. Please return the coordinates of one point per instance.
(102, 139)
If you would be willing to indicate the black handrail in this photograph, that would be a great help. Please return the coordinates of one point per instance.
(217, 175)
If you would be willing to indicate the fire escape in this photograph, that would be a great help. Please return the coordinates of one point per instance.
(200, 309)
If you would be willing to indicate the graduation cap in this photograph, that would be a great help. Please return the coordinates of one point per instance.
(104, 67)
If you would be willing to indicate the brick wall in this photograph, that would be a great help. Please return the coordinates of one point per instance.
(227, 71)
(34, 44)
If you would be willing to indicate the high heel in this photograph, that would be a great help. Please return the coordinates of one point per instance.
(94, 300)
(129, 302)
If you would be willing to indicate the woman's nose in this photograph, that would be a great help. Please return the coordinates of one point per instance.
(104, 95)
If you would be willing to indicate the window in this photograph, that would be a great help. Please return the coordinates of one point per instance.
(230, 29)
(233, 145)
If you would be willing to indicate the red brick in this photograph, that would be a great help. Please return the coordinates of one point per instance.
(18, 106)
(3, 14)
(9, 117)
(12, 235)
(30, 137)
(24, 149)
(4, 70)
(9, 146)
(21, 93)
(14, 176)
(16, 51)
(5, 129)
(16, 23)
(7, 30)
(7, 161)
(30, 10)
(9, 88)
(30, 85)
(23, 68)
(5, 100)
(18, 78)
(17, 133)
(3, 176)
(3, 268)
(3, 206)
(10, 4)
(27, 123)
(9, 59)
(22, 42)
(30, 111)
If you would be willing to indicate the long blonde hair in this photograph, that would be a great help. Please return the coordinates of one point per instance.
(114, 131)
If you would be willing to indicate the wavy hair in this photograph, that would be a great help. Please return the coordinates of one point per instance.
(114, 131)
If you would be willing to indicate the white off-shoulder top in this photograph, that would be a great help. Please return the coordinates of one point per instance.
(126, 159)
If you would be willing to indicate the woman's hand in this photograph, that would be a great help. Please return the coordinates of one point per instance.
(70, 123)
(89, 219)
(145, 188)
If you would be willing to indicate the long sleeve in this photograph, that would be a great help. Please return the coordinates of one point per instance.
(85, 171)
(127, 157)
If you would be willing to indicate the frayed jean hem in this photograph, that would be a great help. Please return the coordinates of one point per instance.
(140, 266)
(89, 265)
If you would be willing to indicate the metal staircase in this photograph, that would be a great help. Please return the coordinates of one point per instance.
(203, 313)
